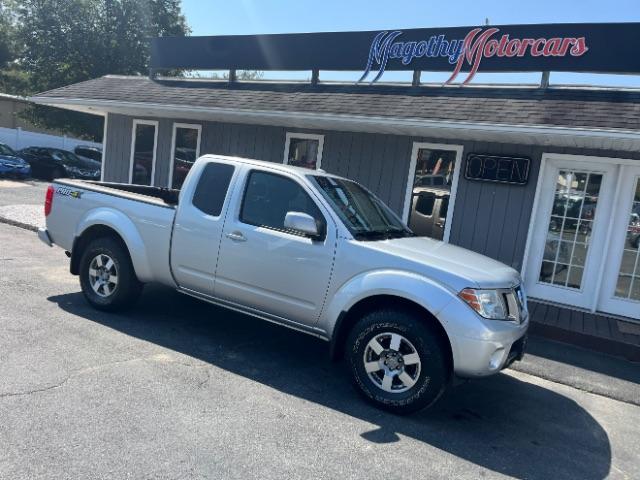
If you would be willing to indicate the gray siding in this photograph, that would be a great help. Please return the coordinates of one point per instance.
(489, 218)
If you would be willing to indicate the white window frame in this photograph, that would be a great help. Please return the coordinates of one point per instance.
(458, 149)
(304, 136)
(176, 126)
(104, 147)
(137, 122)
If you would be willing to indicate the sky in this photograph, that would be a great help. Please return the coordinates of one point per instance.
(235, 17)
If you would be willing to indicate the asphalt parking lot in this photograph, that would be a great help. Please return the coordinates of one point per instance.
(181, 389)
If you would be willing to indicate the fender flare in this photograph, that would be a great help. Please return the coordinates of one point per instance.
(123, 226)
(418, 289)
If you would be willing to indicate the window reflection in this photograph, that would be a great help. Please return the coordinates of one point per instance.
(185, 153)
(303, 152)
(143, 153)
(570, 228)
(431, 192)
(628, 284)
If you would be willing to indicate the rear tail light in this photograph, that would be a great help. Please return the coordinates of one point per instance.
(48, 201)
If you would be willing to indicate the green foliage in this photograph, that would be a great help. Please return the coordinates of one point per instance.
(69, 41)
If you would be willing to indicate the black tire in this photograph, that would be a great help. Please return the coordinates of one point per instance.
(127, 289)
(433, 377)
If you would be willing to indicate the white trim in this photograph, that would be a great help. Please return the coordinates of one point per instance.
(104, 148)
(461, 129)
(176, 125)
(137, 122)
(417, 146)
(306, 136)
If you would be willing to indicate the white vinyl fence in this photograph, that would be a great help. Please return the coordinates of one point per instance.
(17, 138)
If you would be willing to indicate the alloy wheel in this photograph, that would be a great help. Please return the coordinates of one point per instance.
(392, 362)
(103, 275)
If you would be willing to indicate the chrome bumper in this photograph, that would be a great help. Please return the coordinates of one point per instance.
(44, 237)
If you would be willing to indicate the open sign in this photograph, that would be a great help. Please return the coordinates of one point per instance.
(495, 168)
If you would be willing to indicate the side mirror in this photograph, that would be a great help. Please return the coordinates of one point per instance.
(303, 223)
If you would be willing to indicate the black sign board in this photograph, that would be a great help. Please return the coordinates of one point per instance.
(463, 51)
(495, 168)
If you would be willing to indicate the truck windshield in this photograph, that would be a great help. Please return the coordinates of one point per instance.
(366, 217)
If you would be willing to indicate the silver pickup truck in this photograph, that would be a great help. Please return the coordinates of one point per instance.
(307, 250)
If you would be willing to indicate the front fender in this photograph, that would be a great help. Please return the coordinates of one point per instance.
(425, 292)
(127, 230)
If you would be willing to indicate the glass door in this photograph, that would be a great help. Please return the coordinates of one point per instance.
(570, 231)
(621, 281)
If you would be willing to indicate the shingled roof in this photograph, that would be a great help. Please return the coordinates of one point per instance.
(610, 109)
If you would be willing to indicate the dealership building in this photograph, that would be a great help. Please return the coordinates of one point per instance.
(543, 178)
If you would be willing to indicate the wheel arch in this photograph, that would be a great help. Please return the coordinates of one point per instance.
(113, 224)
(348, 318)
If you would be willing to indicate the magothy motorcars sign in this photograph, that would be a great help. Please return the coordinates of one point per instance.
(570, 47)
(478, 44)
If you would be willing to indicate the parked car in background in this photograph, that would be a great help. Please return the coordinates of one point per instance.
(87, 151)
(50, 163)
(11, 165)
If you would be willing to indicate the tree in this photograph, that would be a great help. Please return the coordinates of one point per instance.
(69, 41)
(12, 79)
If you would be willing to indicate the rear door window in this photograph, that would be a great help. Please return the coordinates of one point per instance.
(212, 188)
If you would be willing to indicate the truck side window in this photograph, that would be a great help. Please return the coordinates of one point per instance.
(212, 188)
(268, 197)
(424, 204)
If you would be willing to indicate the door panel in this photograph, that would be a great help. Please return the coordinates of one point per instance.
(275, 271)
(198, 228)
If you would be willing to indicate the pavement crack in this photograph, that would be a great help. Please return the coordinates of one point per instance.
(35, 390)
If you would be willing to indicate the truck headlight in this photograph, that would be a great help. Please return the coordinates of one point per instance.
(487, 303)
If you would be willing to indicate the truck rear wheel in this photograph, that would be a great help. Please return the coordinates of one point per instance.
(397, 362)
(107, 277)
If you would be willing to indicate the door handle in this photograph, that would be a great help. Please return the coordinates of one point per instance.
(237, 237)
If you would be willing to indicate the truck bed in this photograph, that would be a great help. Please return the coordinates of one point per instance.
(142, 215)
(167, 196)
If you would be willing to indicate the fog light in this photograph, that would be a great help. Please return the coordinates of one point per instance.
(496, 359)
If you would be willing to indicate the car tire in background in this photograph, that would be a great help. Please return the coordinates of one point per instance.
(396, 343)
(107, 277)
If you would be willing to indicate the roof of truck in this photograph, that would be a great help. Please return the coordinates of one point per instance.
(271, 165)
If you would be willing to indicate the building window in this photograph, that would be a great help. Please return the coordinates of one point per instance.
(185, 149)
(431, 188)
(303, 150)
(144, 139)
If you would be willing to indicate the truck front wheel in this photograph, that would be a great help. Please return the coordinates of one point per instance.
(396, 361)
(107, 277)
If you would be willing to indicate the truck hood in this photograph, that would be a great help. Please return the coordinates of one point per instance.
(453, 266)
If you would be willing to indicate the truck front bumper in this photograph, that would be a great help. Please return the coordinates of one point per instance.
(482, 347)
(44, 237)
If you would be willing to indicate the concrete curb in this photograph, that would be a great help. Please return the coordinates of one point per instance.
(18, 224)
